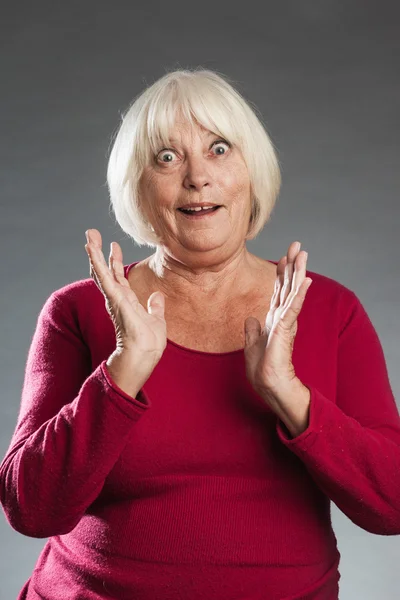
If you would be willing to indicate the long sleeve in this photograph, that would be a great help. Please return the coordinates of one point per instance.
(351, 447)
(72, 426)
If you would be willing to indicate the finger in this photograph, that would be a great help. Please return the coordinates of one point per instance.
(99, 262)
(287, 281)
(287, 276)
(94, 237)
(116, 264)
(300, 270)
(104, 277)
(275, 296)
(252, 330)
(92, 269)
(291, 312)
(275, 299)
(156, 304)
(298, 278)
(94, 241)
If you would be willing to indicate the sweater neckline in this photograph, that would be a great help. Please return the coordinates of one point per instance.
(173, 344)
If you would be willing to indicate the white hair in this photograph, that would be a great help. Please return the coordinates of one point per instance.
(201, 96)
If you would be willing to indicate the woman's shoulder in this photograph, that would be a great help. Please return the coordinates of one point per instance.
(323, 282)
(77, 292)
(78, 309)
(81, 297)
(75, 304)
(81, 291)
(332, 297)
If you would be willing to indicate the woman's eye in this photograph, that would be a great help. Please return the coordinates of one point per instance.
(219, 144)
(166, 153)
(167, 156)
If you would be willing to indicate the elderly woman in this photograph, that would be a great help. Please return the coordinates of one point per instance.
(200, 465)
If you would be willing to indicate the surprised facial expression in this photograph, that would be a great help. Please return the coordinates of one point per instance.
(198, 166)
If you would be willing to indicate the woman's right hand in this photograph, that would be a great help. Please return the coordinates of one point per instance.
(137, 330)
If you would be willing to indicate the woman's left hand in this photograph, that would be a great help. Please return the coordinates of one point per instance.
(268, 352)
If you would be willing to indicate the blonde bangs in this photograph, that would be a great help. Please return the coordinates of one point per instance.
(192, 101)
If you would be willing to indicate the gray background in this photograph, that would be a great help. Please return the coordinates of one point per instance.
(325, 76)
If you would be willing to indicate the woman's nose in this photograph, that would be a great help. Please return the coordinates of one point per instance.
(197, 174)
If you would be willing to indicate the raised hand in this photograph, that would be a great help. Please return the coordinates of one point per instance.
(143, 332)
(268, 352)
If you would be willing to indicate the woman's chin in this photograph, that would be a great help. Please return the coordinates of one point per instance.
(202, 241)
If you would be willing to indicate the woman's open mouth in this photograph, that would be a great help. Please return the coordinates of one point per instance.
(199, 214)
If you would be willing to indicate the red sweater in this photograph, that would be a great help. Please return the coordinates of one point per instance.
(194, 489)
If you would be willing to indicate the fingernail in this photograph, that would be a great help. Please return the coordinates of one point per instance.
(87, 235)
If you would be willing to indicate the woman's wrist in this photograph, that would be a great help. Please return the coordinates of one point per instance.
(124, 369)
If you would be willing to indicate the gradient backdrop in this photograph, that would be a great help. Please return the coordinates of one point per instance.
(325, 75)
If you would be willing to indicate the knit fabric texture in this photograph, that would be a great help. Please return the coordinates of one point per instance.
(195, 489)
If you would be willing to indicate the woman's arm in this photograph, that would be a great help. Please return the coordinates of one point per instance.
(352, 447)
(73, 425)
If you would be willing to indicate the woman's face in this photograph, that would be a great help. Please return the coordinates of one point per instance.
(199, 166)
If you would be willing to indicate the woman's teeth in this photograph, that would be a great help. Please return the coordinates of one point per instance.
(198, 209)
